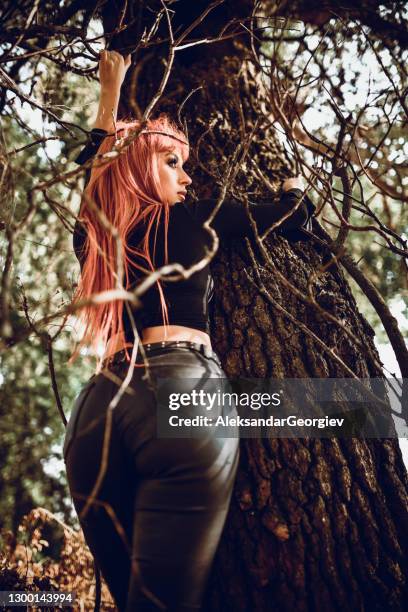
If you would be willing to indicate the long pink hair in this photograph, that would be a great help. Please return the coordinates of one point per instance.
(127, 191)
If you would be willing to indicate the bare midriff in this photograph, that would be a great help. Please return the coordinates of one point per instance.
(160, 333)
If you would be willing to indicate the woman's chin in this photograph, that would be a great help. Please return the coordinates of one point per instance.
(178, 199)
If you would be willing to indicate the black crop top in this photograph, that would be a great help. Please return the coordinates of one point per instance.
(187, 299)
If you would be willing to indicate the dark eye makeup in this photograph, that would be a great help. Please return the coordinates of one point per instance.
(173, 161)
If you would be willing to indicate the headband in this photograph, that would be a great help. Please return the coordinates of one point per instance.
(164, 134)
(157, 132)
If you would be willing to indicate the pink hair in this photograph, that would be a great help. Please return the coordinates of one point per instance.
(127, 191)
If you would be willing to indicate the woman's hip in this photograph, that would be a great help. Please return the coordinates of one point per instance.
(186, 373)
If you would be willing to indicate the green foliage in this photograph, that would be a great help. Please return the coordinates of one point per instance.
(349, 72)
(43, 276)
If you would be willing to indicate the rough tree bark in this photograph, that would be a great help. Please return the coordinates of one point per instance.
(314, 524)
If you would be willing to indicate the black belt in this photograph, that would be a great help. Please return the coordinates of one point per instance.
(151, 347)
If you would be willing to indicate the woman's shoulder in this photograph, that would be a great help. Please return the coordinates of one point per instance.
(95, 138)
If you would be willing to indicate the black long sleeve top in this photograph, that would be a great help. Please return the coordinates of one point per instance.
(187, 299)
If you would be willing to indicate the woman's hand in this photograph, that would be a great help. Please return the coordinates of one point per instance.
(112, 70)
(293, 183)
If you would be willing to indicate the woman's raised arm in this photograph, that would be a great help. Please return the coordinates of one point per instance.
(112, 71)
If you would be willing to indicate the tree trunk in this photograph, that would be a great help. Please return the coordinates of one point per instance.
(315, 524)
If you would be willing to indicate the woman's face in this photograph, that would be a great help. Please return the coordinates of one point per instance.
(173, 179)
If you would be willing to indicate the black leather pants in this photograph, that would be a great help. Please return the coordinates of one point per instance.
(157, 518)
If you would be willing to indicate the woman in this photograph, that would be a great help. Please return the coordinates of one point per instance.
(161, 505)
